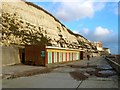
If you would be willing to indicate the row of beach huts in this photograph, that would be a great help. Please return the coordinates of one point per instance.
(40, 55)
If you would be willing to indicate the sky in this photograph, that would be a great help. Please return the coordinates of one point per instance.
(95, 20)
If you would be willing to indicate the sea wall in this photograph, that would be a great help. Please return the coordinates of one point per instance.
(10, 56)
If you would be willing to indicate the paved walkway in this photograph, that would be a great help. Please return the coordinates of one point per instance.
(80, 74)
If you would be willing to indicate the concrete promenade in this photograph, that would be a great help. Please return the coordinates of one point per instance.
(95, 73)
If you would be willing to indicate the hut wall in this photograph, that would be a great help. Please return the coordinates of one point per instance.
(34, 56)
(61, 56)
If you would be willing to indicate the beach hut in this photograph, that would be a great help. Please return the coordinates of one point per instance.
(46, 55)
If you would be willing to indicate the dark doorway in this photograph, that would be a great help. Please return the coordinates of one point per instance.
(23, 58)
(22, 55)
(81, 54)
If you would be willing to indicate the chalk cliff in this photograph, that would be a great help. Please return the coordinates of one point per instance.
(25, 23)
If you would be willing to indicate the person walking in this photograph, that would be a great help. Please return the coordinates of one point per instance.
(88, 57)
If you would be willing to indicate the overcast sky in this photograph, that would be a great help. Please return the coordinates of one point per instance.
(96, 21)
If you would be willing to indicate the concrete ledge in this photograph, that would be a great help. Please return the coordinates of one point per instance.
(114, 64)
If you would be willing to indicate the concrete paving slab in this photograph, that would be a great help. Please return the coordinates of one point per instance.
(99, 84)
(19, 68)
(54, 75)
(53, 80)
(65, 69)
(112, 78)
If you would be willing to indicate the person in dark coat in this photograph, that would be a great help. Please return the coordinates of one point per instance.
(88, 57)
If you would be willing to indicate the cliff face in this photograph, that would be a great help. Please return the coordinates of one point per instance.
(25, 23)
